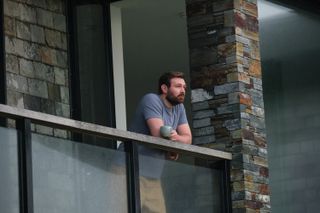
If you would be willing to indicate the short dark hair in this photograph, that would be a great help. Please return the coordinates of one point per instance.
(166, 78)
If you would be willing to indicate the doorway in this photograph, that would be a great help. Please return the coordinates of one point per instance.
(149, 38)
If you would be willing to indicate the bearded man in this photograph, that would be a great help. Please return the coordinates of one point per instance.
(154, 111)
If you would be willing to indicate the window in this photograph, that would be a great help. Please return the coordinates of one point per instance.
(91, 62)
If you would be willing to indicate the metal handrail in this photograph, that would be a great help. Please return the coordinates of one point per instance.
(111, 133)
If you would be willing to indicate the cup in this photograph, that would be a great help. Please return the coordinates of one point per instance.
(165, 131)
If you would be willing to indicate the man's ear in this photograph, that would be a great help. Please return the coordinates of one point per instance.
(164, 89)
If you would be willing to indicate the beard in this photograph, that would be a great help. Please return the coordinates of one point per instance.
(175, 100)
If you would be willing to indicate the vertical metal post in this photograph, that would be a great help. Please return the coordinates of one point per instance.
(25, 165)
(133, 185)
(226, 196)
(3, 87)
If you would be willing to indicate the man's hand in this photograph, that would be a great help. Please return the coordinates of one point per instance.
(182, 134)
(174, 135)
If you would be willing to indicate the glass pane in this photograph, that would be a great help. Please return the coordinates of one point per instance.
(178, 186)
(94, 73)
(77, 178)
(290, 51)
(9, 183)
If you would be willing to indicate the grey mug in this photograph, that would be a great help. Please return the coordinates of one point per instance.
(165, 131)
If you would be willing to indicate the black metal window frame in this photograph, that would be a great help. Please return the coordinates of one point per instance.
(24, 118)
(2, 58)
(74, 77)
(3, 86)
(23, 126)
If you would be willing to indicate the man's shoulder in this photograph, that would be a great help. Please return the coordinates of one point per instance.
(151, 97)
(150, 100)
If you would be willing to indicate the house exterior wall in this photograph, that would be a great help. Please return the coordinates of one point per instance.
(36, 58)
(227, 99)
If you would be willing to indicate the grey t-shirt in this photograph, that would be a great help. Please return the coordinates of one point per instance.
(151, 106)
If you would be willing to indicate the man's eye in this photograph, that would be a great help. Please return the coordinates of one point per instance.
(180, 86)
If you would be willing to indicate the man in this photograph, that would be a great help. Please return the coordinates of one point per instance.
(153, 112)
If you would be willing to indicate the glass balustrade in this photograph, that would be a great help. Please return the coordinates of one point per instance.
(186, 185)
(51, 174)
(77, 177)
(9, 182)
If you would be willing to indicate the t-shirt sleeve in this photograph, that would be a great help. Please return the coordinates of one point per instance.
(183, 117)
(151, 107)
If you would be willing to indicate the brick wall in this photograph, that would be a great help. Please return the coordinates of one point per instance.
(36, 57)
(227, 99)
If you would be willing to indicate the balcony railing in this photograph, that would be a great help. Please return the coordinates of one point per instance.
(41, 173)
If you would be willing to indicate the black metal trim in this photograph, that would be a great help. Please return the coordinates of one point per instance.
(133, 184)
(226, 192)
(74, 78)
(25, 165)
(3, 87)
(109, 59)
(2, 58)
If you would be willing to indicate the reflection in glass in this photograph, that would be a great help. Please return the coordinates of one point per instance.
(9, 195)
(76, 178)
(178, 186)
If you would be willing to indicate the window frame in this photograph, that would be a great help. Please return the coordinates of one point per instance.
(2, 58)
(3, 81)
(74, 76)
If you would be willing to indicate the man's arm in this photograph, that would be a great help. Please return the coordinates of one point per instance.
(182, 135)
(154, 125)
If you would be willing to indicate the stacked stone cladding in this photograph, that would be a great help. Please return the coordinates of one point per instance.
(227, 99)
(36, 58)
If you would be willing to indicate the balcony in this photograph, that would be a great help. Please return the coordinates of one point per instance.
(41, 173)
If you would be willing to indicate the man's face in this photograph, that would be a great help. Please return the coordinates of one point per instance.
(176, 92)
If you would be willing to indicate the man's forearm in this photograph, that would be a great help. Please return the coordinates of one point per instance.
(187, 139)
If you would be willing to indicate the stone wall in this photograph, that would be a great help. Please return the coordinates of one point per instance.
(227, 99)
(36, 57)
